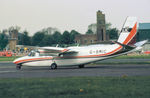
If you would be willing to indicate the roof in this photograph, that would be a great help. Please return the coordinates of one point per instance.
(144, 26)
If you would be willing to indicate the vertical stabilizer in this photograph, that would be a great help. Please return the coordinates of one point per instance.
(128, 31)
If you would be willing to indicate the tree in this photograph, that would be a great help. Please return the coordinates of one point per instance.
(113, 33)
(89, 32)
(47, 40)
(93, 27)
(108, 25)
(73, 33)
(66, 37)
(57, 38)
(37, 38)
(3, 41)
(20, 37)
(49, 30)
(24, 39)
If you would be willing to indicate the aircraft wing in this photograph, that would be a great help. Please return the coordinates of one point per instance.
(57, 50)
(68, 51)
(52, 49)
(46, 49)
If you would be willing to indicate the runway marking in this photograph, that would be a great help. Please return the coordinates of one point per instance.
(6, 71)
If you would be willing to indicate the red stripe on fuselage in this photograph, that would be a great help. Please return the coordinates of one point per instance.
(33, 59)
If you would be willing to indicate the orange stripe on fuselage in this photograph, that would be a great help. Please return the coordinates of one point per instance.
(131, 35)
(33, 59)
(109, 53)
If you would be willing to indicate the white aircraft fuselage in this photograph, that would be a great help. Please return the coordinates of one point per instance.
(86, 54)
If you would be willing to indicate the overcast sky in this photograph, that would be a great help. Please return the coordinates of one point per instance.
(34, 15)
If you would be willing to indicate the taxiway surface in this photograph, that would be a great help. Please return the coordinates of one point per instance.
(8, 70)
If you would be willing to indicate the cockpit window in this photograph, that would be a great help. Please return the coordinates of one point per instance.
(31, 54)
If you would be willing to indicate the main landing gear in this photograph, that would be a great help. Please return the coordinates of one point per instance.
(18, 67)
(81, 66)
(53, 66)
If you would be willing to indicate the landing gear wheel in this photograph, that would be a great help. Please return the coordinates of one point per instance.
(18, 67)
(54, 66)
(81, 66)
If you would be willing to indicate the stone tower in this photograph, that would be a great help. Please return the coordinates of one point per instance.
(101, 28)
(13, 37)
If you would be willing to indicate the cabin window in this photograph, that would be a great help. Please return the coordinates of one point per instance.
(97, 51)
(129, 29)
(91, 41)
(85, 41)
(46, 54)
(90, 51)
(100, 51)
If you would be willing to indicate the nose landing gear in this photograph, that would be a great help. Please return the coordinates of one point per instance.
(18, 67)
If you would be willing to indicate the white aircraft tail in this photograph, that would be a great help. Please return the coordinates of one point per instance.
(128, 31)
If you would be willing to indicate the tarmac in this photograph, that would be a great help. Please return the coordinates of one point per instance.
(8, 70)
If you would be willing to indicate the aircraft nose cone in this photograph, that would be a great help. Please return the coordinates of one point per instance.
(15, 61)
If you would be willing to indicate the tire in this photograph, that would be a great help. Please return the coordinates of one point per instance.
(81, 66)
(54, 66)
(18, 67)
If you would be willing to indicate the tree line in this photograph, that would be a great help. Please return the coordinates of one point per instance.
(42, 38)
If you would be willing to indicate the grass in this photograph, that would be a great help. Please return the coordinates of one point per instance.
(133, 57)
(146, 62)
(8, 58)
(76, 87)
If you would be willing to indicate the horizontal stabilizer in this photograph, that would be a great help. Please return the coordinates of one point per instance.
(125, 47)
(141, 43)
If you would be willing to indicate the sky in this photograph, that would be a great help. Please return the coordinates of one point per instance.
(34, 15)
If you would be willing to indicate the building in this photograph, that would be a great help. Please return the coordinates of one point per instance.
(13, 37)
(101, 28)
(86, 39)
(50, 30)
(99, 36)
(143, 32)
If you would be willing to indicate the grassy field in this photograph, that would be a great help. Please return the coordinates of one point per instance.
(8, 58)
(133, 57)
(76, 87)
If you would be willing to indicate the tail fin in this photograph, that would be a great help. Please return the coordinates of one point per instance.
(128, 32)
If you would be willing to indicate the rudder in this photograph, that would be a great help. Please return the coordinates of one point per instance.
(128, 32)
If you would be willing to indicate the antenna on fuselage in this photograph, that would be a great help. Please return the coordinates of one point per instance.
(78, 45)
(57, 45)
